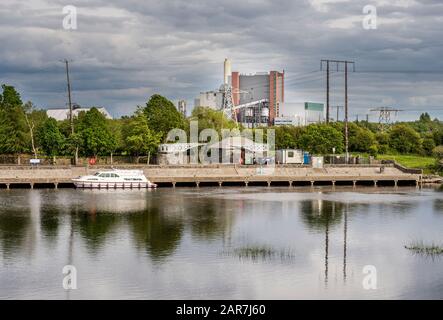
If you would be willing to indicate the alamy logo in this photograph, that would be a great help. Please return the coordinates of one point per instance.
(70, 278)
(370, 18)
(370, 280)
(70, 19)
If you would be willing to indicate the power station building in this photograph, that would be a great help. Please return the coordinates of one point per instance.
(269, 86)
(256, 98)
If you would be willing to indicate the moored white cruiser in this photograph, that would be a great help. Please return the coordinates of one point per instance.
(112, 179)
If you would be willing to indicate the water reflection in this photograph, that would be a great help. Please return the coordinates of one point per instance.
(209, 219)
(155, 232)
(323, 216)
(14, 231)
(183, 232)
(93, 226)
(49, 222)
(438, 206)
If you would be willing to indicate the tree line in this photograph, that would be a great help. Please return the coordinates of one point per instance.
(27, 129)
(421, 137)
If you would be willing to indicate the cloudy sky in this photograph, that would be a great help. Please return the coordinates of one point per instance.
(123, 51)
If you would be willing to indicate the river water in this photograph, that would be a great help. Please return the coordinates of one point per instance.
(221, 243)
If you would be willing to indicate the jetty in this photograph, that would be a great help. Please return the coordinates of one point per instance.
(391, 174)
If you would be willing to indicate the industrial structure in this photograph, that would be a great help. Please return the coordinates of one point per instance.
(251, 99)
(269, 86)
(181, 107)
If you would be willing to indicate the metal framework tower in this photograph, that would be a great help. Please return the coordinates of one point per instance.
(384, 117)
(228, 102)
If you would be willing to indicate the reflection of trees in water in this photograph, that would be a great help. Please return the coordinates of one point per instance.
(209, 218)
(14, 230)
(438, 206)
(93, 227)
(156, 232)
(319, 214)
(49, 222)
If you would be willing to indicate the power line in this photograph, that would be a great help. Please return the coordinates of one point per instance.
(338, 63)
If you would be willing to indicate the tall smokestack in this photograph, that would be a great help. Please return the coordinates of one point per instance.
(227, 71)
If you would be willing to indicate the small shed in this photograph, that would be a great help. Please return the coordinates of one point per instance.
(288, 156)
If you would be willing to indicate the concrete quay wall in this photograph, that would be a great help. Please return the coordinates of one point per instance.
(218, 174)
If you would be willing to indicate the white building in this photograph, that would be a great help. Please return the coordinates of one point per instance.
(212, 99)
(63, 113)
(288, 121)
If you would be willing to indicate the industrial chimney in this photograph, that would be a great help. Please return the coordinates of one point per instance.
(227, 71)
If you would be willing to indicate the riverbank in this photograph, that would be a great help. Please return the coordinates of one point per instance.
(200, 175)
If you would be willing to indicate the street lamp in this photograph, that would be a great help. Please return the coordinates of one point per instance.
(333, 155)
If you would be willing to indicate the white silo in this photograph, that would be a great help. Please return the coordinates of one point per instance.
(227, 71)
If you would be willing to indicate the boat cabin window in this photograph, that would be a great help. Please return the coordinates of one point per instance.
(106, 175)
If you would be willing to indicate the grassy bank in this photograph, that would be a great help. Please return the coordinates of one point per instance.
(410, 161)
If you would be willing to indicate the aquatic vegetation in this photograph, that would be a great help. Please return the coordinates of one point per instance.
(421, 248)
(256, 253)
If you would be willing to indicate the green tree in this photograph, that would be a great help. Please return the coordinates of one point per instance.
(141, 139)
(209, 118)
(360, 139)
(116, 128)
(96, 138)
(286, 137)
(404, 139)
(49, 137)
(321, 139)
(438, 152)
(162, 115)
(382, 139)
(428, 145)
(425, 117)
(13, 127)
(34, 120)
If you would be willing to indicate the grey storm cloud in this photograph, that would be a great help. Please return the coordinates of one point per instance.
(126, 50)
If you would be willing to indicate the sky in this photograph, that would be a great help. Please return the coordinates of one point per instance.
(123, 51)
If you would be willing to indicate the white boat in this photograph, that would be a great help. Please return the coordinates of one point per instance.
(111, 179)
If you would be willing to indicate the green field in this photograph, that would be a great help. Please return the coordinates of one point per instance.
(409, 161)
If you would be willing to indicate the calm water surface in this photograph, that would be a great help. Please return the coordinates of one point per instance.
(221, 243)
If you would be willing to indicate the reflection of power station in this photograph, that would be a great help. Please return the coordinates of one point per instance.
(251, 99)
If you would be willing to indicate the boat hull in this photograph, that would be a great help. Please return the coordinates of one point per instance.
(114, 185)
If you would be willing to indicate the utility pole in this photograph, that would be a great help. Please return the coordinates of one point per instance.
(346, 114)
(338, 63)
(338, 111)
(327, 91)
(69, 96)
(71, 119)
